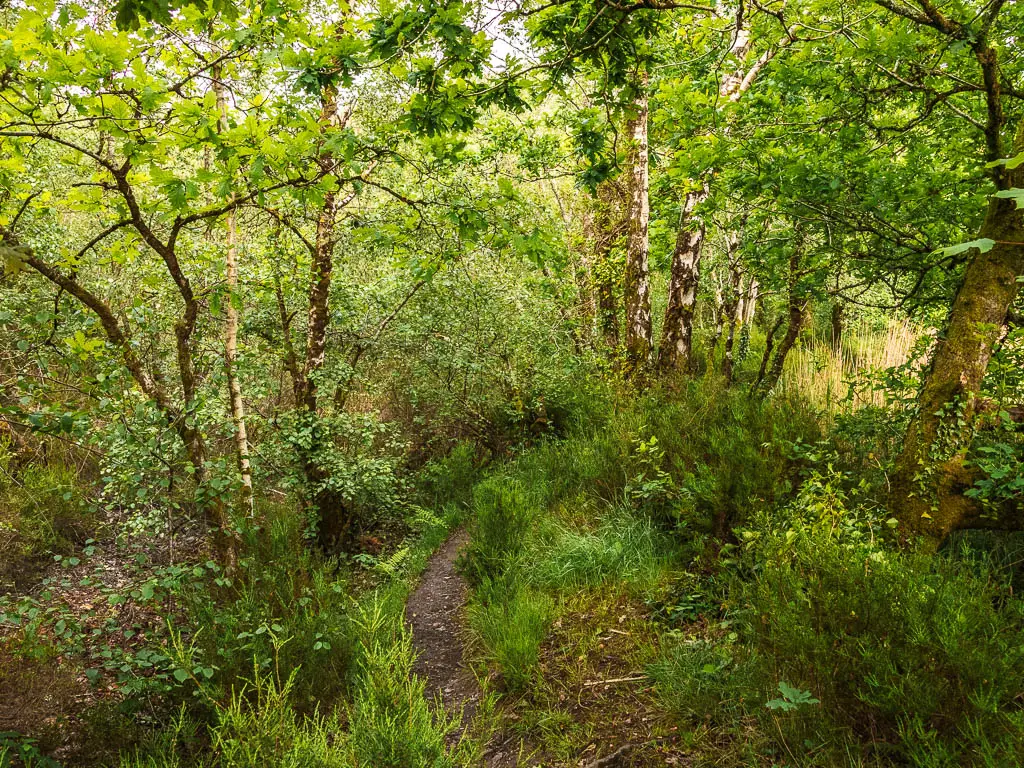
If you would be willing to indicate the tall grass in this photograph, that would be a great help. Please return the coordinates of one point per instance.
(511, 621)
(838, 380)
(623, 547)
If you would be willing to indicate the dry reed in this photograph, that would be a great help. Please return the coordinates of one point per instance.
(839, 380)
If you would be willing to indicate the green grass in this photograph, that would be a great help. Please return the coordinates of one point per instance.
(623, 547)
(778, 622)
(511, 621)
(42, 513)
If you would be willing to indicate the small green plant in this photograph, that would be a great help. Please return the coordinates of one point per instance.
(791, 699)
(1002, 474)
(14, 746)
(651, 489)
(503, 514)
(391, 724)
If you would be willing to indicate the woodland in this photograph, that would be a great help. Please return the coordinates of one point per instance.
(437, 383)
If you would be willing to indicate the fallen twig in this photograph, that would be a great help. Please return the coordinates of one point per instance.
(635, 679)
(621, 752)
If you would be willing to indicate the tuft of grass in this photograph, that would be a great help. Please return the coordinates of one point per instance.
(511, 621)
(705, 679)
(503, 513)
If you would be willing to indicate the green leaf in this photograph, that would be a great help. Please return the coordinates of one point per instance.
(1012, 194)
(180, 675)
(983, 244)
(1008, 162)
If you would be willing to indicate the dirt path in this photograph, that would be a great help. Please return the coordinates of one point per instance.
(435, 611)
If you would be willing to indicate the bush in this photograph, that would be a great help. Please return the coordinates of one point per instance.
(287, 609)
(390, 723)
(449, 479)
(920, 651)
(724, 452)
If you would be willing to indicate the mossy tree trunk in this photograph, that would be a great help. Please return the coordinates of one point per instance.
(931, 475)
(796, 315)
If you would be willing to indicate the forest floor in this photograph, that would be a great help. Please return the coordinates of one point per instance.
(436, 613)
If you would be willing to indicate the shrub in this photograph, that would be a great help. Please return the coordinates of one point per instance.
(390, 723)
(723, 451)
(286, 609)
(921, 651)
(449, 479)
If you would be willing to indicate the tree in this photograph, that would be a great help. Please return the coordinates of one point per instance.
(231, 316)
(737, 75)
(637, 281)
(931, 475)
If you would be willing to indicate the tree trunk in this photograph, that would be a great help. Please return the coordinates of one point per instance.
(732, 310)
(930, 474)
(181, 420)
(321, 267)
(637, 279)
(797, 310)
(606, 231)
(750, 301)
(837, 326)
(719, 317)
(676, 349)
(332, 511)
(769, 345)
(291, 360)
(796, 314)
(231, 317)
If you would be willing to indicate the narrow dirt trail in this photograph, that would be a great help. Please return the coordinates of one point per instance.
(435, 612)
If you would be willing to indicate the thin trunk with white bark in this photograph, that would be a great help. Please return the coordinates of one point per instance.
(637, 276)
(231, 322)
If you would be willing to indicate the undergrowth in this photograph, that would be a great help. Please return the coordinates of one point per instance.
(787, 624)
